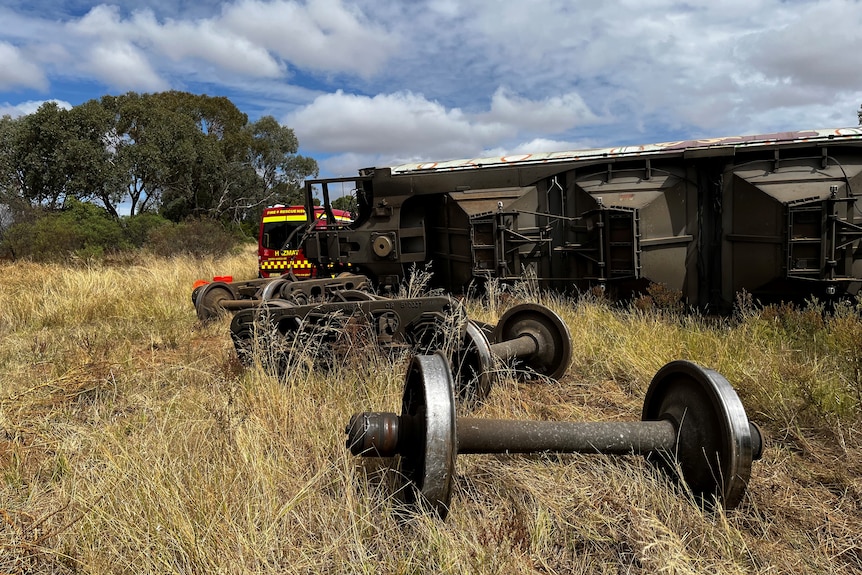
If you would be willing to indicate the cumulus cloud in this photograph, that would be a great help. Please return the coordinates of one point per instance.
(17, 71)
(405, 126)
(538, 146)
(679, 66)
(348, 163)
(817, 49)
(28, 107)
(550, 115)
(207, 41)
(138, 50)
(401, 123)
(124, 50)
(122, 65)
(319, 35)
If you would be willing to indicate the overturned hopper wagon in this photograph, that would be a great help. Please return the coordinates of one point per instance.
(776, 215)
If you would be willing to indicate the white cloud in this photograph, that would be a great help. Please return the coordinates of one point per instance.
(348, 164)
(819, 47)
(17, 71)
(679, 66)
(551, 115)
(390, 129)
(318, 35)
(251, 38)
(401, 124)
(102, 21)
(404, 126)
(538, 146)
(28, 107)
(106, 50)
(206, 40)
(122, 65)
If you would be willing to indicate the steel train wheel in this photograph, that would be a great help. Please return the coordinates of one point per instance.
(209, 298)
(473, 366)
(428, 405)
(243, 343)
(273, 289)
(297, 297)
(548, 330)
(714, 442)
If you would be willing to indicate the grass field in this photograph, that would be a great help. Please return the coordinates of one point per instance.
(132, 441)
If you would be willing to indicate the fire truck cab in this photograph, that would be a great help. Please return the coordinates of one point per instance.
(279, 248)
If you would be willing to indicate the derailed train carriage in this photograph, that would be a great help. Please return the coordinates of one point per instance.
(775, 215)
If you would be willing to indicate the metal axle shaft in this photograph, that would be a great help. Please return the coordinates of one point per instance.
(620, 438)
(523, 346)
(383, 434)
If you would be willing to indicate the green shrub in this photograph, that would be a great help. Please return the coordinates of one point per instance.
(88, 232)
(80, 229)
(193, 237)
(139, 227)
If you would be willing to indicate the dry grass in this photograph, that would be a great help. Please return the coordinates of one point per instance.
(131, 441)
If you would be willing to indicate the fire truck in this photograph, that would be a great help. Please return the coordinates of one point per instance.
(282, 229)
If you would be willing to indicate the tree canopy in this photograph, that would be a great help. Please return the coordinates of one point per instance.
(174, 153)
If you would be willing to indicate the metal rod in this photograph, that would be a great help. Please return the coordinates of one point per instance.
(385, 434)
(612, 438)
(522, 346)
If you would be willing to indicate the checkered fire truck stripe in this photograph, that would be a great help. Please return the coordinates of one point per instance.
(282, 264)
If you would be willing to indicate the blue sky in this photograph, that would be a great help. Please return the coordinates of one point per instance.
(381, 82)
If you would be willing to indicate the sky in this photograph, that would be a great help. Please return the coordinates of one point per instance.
(382, 82)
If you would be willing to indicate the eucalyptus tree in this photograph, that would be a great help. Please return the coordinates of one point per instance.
(93, 168)
(154, 147)
(40, 144)
(180, 154)
(9, 181)
(273, 154)
(54, 154)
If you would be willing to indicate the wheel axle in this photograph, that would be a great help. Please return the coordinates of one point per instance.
(692, 420)
(530, 333)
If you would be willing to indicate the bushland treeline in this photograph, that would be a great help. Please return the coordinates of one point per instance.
(173, 156)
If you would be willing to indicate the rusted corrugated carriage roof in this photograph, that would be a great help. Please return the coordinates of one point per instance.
(832, 135)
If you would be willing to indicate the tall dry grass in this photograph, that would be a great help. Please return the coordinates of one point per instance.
(131, 440)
